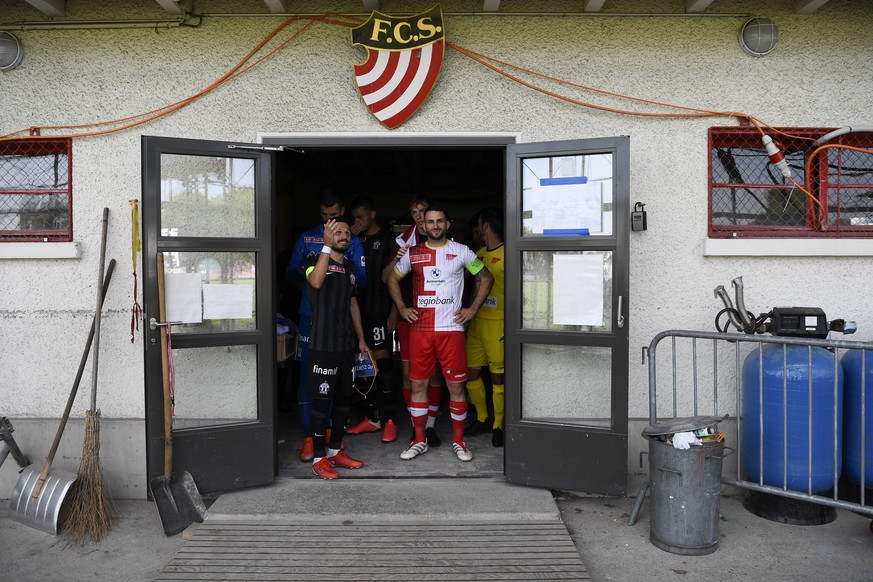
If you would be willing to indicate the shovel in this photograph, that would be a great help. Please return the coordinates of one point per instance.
(175, 493)
(37, 498)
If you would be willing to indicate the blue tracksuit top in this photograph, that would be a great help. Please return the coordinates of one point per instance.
(310, 243)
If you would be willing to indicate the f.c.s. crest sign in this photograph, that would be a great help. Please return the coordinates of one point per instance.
(404, 56)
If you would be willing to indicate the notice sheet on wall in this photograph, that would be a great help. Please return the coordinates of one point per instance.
(577, 290)
(182, 297)
(222, 301)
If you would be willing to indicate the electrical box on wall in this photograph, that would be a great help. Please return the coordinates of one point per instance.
(638, 217)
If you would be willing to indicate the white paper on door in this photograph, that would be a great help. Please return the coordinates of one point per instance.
(182, 297)
(223, 301)
(577, 290)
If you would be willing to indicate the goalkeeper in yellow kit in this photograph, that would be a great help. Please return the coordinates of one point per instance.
(485, 332)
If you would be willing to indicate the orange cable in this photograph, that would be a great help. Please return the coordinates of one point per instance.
(468, 52)
(161, 111)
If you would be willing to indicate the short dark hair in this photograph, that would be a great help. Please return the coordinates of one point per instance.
(437, 208)
(344, 219)
(364, 202)
(493, 217)
(329, 198)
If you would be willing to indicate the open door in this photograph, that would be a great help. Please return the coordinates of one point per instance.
(207, 207)
(567, 212)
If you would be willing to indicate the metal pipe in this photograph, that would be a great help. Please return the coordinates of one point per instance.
(722, 294)
(179, 22)
(527, 14)
(98, 24)
(748, 324)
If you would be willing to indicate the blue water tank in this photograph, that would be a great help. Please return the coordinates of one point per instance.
(824, 404)
(852, 434)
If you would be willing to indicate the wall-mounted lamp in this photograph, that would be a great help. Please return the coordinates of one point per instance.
(758, 36)
(10, 51)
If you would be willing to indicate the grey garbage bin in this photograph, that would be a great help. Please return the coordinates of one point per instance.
(685, 488)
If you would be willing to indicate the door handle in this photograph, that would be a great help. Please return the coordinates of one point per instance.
(620, 321)
(155, 324)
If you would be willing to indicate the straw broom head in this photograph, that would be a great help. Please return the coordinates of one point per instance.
(88, 511)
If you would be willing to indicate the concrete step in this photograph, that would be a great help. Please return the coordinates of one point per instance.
(473, 499)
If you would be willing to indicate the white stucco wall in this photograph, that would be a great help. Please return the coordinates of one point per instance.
(820, 75)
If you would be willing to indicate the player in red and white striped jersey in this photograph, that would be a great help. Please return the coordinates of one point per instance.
(437, 332)
(413, 235)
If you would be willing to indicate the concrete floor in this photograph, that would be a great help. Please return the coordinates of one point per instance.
(750, 548)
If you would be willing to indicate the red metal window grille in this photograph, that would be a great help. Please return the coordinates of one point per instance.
(749, 196)
(36, 200)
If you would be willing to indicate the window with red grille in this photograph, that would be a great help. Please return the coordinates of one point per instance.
(749, 196)
(36, 202)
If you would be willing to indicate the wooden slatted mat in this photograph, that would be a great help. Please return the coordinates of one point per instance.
(230, 549)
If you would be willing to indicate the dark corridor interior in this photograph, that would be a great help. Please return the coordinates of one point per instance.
(462, 180)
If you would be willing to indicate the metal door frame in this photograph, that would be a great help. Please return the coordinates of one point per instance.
(224, 457)
(555, 455)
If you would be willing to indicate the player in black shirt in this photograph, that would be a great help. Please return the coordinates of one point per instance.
(336, 333)
(379, 318)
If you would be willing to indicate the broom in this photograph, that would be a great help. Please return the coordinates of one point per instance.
(88, 510)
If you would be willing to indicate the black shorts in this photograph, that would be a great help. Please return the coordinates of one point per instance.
(330, 374)
(376, 331)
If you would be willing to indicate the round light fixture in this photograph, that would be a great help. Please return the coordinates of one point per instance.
(10, 51)
(758, 36)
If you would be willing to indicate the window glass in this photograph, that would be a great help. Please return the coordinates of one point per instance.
(567, 384)
(567, 196)
(567, 290)
(207, 196)
(209, 292)
(215, 386)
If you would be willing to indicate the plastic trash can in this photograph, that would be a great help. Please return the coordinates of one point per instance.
(685, 488)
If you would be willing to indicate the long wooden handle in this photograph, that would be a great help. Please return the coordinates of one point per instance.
(165, 371)
(51, 456)
(95, 358)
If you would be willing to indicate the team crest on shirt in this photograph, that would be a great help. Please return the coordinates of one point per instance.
(352, 277)
(450, 257)
(495, 260)
(377, 245)
(324, 388)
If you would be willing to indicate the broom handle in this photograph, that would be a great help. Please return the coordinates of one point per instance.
(96, 357)
(165, 371)
(51, 456)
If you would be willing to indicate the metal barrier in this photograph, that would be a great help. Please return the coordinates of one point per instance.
(696, 357)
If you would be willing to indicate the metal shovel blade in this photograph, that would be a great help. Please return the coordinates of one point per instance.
(178, 501)
(40, 513)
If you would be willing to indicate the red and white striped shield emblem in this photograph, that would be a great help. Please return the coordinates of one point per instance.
(404, 56)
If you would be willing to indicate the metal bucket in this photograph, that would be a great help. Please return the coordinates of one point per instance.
(685, 498)
(42, 512)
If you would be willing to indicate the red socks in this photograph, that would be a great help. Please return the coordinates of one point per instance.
(459, 419)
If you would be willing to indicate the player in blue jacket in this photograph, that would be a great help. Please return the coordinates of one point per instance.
(310, 243)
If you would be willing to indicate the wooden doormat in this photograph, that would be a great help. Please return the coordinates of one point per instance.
(243, 549)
